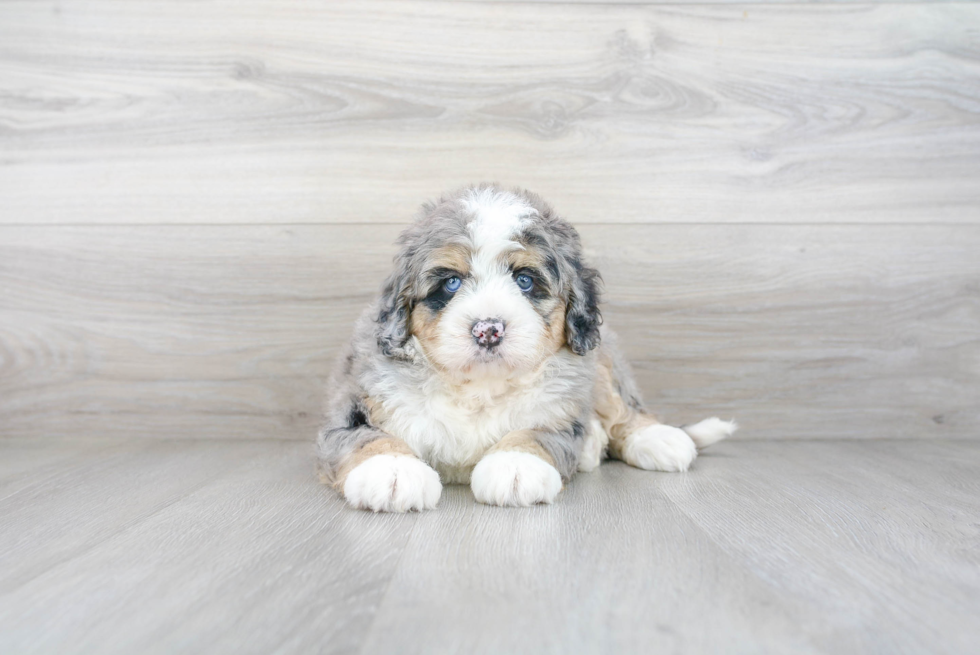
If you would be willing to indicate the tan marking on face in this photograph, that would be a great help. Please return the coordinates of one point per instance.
(423, 323)
(555, 337)
(453, 256)
(382, 446)
(521, 441)
(618, 419)
(527, 257)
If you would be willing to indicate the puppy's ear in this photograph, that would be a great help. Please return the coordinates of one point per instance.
(582, 317)
(393, 311)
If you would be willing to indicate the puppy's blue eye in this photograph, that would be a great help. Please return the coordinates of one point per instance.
(525, 282)
(452, 284)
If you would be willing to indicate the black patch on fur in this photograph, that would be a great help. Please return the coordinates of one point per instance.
(356, 418)
(538, 292)
(437, 300)
(583, 318)
(440, 296)
(578, 430)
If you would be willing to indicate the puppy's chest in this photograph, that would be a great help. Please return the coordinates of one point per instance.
(453, 426)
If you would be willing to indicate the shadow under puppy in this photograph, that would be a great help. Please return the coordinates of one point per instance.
(483, 361)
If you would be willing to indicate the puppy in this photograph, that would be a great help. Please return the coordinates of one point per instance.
(484, 362)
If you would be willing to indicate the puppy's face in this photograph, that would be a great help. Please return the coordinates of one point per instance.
(491, 306)
(490, 283)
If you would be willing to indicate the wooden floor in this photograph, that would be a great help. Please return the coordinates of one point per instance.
(224, 546)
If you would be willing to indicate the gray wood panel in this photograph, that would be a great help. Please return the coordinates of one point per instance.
(763, 547)
(811, 547)
(259, 559)
(110, 490)
(703, 2)
(612, 567)
(229, 331)
(26, 461)
(859, 531)
(286, 111)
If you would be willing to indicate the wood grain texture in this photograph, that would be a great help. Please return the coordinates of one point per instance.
(703, 2)
(111, 489)
(612, 567)
(811, 547)
(26, 461)
(763, 547)
(229, 331)
(259, 559)
(834, 526)
(286, 111)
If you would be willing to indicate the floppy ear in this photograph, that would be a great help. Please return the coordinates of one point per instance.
(582, 317)
(392, 320)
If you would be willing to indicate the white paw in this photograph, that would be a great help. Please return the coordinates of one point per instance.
(393, 483)
(660, 448)
(514, 479)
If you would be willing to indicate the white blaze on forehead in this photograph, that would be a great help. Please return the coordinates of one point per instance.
(499, 216)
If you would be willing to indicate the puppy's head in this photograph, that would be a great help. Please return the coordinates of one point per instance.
(490, 283)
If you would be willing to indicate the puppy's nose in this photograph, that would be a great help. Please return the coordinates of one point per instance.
(488, 332)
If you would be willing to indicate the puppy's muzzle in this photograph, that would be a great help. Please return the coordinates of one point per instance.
(488, 332)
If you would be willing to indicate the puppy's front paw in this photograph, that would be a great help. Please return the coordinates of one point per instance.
(514, 479)
(393, 483)
(660, 448)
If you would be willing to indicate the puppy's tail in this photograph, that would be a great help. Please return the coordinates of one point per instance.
(709, 431)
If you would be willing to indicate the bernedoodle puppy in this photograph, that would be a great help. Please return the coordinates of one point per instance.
(484, 362)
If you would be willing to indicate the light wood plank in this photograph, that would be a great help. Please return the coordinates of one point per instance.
(286, 111)
(792, 547)
(98, 494)
(261, 559)
(879, 536)
(612, 567)
(780, 547)
(229, 332)
(701, 2)
(25, 461)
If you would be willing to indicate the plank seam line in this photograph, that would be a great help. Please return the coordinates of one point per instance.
(733, 3)
(56, 467)
(114, 534)
(923, 223)
(384, 594)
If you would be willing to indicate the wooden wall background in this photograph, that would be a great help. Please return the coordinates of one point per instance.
(196, 199)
